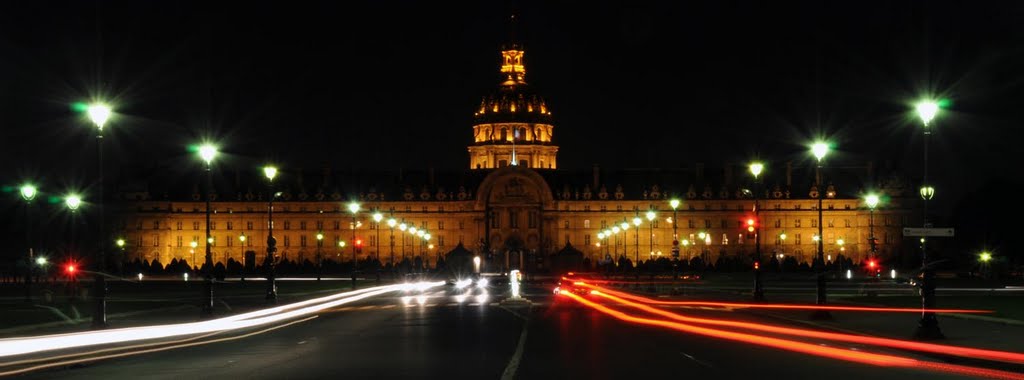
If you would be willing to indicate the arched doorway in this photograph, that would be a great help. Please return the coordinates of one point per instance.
(514, 252)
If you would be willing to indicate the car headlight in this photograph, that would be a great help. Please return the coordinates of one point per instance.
(483, 282)
(463, 283)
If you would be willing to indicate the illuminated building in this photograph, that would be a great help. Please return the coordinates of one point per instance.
(516, 214)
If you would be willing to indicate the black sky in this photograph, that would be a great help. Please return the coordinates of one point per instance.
(384, 84)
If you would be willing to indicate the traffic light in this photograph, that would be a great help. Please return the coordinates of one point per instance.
(757, 265)
(359, 245)
(751, 225)
(70, 270)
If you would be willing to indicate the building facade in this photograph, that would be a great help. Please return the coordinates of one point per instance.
(515, 204)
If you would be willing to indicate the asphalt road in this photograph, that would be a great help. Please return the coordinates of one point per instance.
(392, 337)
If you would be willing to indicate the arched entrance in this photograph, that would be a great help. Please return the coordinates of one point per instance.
(514, 252)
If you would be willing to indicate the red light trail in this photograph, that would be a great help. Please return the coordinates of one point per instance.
(807, 348)
(776, 306)
(976, 353)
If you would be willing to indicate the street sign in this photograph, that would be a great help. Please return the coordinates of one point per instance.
(927, 232)
(675, 251)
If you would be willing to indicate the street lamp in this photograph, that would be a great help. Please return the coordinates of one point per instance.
(241, 239)
(207, 152)
(615, 230)
(120, 246)
(419, 234)
(391, 226)
(675, 236)
(985, 257)
(28, 193)
(928, 326)
(650, 222)
(353, 208)
(755, 169)
(636, 239)
(819, 150)
(193, 244)
(319, 244)
(402, 227)
(872, 202)
(268, 263)
(99, 113)
(624, 227)
(377, 217)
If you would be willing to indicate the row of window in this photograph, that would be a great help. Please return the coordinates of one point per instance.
(302, 225)
(724, 223)
(303, 241)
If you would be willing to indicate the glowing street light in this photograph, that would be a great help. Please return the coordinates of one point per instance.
(819, 150)
(928, 326)
(99, 113)
(756, 168)
(377, 217)
(927, 110)
(207, 152)
(985, 257)
(353, 208)
(270, 172)
(28, 192)
(402, 227)
(319, 245)
(391, 226)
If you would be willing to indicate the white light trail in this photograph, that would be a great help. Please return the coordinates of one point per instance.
(26, 345)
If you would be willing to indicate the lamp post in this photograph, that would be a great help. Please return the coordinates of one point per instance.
(675, 236)
(353, 208)
(28, 193)
(755, 169)
(120, 246)
(928, 326)
(207, 152)
(782, 240)
(268, 263)
(377, 217)
(615, 230)
(819, 150)
(319, 245)
(99, 113)
(402, 227)
(241, 240)
(872, 201)
(703, 236)
(193, 244)
(72, 206)
(650, 222)
(419, 234)
(985, 257)
(636, 240)
(624, 227)
(391, 226)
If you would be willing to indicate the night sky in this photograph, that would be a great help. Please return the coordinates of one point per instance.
(386, 84)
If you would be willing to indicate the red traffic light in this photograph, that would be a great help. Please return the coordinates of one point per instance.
(359, 242)
(871, 263)
(70, 269)
(757, 265)
(750, 222)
